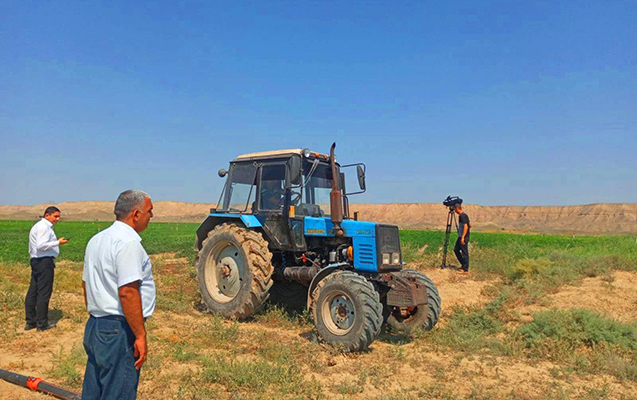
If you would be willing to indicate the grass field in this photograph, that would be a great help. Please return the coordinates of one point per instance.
(158, 238)
(179, 238)
(505, 332)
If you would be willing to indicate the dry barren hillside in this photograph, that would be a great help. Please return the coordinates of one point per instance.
(592, 218)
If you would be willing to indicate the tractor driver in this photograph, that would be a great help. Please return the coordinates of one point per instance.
(271, 195)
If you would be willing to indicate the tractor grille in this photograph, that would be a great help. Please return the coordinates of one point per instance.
(387, 238)
(387, 241)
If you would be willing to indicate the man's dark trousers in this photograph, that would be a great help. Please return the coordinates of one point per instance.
(462, 252)
(110, 370)
(36, 303)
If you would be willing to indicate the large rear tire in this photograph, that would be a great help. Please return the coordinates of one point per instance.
(347, 311)
(234, 271)
(406, 320)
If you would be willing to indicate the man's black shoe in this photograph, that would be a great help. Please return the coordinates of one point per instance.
(28, 327)
(46, 327)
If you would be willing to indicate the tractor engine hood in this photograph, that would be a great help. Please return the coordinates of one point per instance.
(376, 246)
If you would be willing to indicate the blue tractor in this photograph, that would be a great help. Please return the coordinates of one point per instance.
(282, 228)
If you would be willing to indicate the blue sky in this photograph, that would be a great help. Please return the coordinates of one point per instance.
(502, 103)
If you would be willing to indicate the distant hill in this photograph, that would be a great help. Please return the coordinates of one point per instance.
(590, 219)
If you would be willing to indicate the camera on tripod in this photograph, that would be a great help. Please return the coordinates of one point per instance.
(452, 202)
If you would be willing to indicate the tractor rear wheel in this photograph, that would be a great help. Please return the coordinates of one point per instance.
(406, 320)
(234, 271)
(347, 311)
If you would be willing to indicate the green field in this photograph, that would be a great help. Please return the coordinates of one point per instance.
(158, 238)
(562, 258)
(494, 250)
(533, 264)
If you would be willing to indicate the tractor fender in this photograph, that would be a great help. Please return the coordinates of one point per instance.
(322, 274)
(214, 219)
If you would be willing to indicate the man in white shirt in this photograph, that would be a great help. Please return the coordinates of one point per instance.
(44, 246)
(119, 292)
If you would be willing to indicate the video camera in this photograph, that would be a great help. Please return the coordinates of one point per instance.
(452, 202)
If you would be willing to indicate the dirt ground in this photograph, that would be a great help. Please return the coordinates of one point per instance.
(412, 367)
(614, 295)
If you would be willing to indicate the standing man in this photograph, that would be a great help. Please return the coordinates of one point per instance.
(44, 246)
(119, 292)
(462, 244)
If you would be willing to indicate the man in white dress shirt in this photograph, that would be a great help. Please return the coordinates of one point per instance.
(119, 292)
(44, 246)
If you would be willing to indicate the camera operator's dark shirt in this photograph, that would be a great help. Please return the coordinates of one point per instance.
(463, 219)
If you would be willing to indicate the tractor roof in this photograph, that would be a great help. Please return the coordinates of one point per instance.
(276, 153)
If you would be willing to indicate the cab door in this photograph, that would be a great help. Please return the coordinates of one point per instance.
(272, 208)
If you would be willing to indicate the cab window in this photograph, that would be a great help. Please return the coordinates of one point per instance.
(272, 188)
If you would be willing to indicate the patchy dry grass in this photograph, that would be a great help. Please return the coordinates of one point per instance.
(68, 366)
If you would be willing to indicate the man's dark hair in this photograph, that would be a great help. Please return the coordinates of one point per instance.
(50, 210)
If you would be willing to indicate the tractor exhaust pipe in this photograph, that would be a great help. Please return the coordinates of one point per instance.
(336, 201)
(38, 385)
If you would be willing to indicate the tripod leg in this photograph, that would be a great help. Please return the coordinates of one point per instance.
(446, 244)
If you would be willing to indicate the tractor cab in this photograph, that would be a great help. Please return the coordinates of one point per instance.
(278, 189)
(267, 182)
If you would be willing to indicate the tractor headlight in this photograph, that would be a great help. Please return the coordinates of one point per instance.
(386, 258)
(395, 258)
(307, 153)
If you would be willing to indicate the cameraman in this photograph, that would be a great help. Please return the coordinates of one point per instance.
(462, 244)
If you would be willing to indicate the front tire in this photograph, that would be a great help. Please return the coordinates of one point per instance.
(347, 311)
(406, 320)
(234, 271)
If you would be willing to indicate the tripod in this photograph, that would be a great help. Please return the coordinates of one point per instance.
(451, 220)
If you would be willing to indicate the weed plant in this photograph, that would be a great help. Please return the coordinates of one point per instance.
(567, 330)
(68, 365)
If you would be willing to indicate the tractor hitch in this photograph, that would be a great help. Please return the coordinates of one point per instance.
(404, 292)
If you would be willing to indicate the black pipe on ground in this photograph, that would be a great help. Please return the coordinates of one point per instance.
(38, 385)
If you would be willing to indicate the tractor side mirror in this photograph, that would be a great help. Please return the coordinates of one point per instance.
(361, 176)
(295, 170)
(222, 172)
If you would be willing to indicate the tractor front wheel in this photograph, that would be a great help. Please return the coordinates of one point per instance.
(347, 311)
